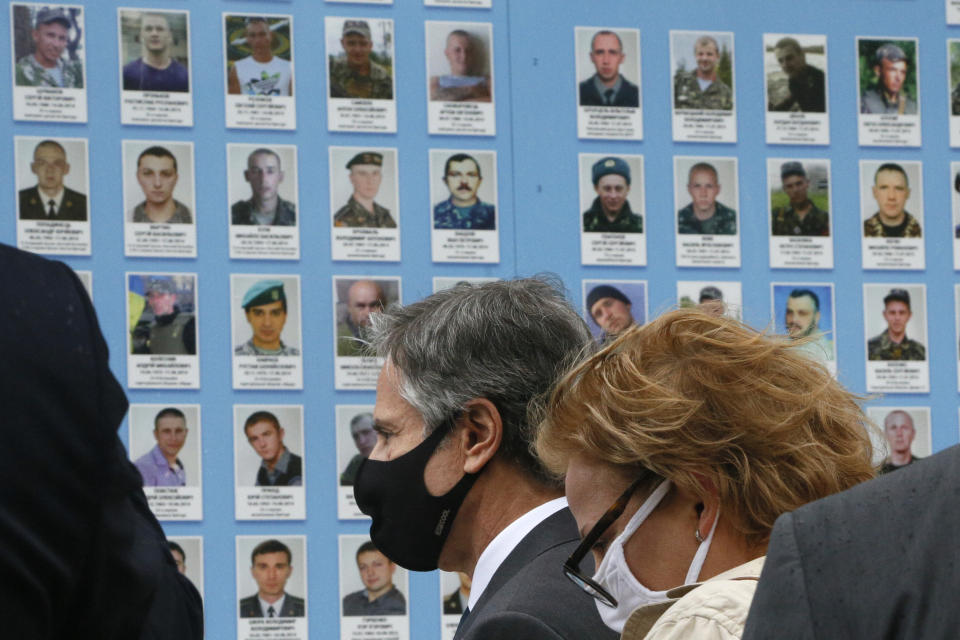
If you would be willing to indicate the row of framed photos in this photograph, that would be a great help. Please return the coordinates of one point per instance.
(163, 318)
(262, 205)
(259, 82)
(271, 471)
(374, 593)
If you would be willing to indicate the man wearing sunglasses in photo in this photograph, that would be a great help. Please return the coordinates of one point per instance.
(451, 482)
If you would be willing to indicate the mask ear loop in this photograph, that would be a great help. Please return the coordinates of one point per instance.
(693, 573)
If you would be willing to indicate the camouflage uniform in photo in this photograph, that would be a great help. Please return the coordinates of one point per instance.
(30, 73)
(353, 214)
(595, 220)
(687, 93)
(873, 228)
(722, 223)
(786, 222)
(349, 341)
(346, 83)
(955, 101)
(883, 348)
(250, 349)
(447, 215)
(874, 101)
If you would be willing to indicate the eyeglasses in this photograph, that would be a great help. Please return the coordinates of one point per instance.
(571, 568)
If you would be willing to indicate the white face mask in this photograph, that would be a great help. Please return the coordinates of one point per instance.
(615, 576)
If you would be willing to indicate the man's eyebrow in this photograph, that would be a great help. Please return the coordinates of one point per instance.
(382, 426)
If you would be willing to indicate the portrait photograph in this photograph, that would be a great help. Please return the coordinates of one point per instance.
(52, 178)
(463, 189)
(895, 321)
(806, 311)
(953, 75)
(610, 307)
(259, 55)
(891, 199)
(355, 298)
(271, 568)
(799, 197)
(611, 193)
(364, 572)
(355, 440)
(795, 67)
(714, 297)
(162, 314)
(459, 61)
(165, 444)
(265, 314)
(608, 67)
(154, 50)
(902, 436)
(364, 187)
(265, 455)
(360, 58)
(705, 192)
(888, 76)
(48, 45)
(158, 182)
(262, 184)
(702, 70)
(187, 552)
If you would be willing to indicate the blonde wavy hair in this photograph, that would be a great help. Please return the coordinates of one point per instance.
(691, 396)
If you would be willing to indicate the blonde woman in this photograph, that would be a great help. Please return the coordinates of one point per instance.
(681, 442)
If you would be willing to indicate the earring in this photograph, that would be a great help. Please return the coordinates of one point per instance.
(698, 536)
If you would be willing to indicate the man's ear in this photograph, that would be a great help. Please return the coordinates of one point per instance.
(482, 432)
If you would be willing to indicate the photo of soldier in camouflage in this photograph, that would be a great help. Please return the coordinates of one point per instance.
(363, 68)
(610, 211)
(797, 209)
(709, 85)
(47, 43)
(705, 214)
(891, 190)
(893, 343)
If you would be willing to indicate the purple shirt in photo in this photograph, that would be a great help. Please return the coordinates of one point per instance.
(156, 472)
(139, 76)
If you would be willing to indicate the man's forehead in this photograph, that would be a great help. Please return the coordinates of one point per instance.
(156, 162)
(270, 306)
(891, 175)
(366, 168)
(703, 175)
(271, 557)
(154, 20)
(263, 160)
(463, 165)
(606, 41)
(372, 555)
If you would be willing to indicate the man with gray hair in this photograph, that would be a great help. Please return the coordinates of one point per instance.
(451, 482)
(890, 67)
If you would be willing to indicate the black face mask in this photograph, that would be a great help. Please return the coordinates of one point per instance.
(409, 525)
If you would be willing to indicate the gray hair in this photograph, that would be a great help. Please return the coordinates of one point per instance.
(506, 341)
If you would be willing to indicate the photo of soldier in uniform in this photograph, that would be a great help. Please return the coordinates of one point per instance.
(365, 172)
(703, 71)
(356, 299)
(953, 49)
(360, 59)
(905, 430)
(716, 298)
(259, 55)
(48, 46)
(892, 194)
(268, 198)
(611, 211)
(50, 198)
(364, 439)
(265, 306)
(888, 76)
(795, 73)
(612, 307)
(705, 214)
(799, 203)
(458, 61)
(606, 82)
(893, 342)
(162, 314)
(154, 50)
(465, 181)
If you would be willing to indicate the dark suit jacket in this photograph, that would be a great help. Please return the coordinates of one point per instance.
(81, 556)
(293, 607)
(876, 561)
(529, 597)
(72, 207)
(628, 96)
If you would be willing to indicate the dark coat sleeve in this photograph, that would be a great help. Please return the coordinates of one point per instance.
(780, 607)
(80, 553)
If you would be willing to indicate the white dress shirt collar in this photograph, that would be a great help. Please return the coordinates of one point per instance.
(45, 200)
(277, 606)
(500, 547)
